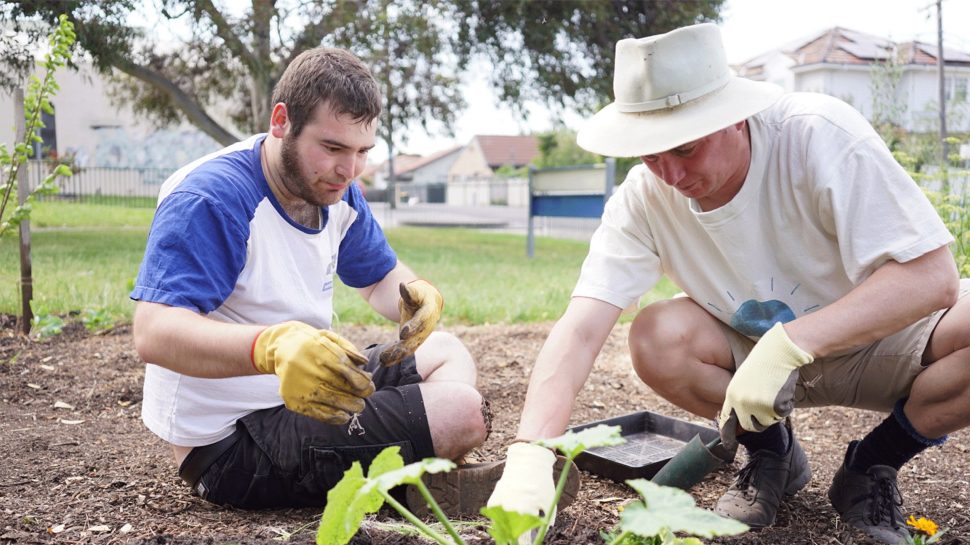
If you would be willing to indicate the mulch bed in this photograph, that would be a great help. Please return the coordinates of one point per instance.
(79, 466)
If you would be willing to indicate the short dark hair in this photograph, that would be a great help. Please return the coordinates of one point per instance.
(327, 74)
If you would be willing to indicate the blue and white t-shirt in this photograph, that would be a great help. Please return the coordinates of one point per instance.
(221, 245)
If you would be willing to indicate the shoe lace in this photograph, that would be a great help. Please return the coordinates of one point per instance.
(885, 501)
(745, 477)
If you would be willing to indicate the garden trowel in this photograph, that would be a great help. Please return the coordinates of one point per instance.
(693, 462)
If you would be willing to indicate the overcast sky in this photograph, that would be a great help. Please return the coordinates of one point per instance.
(749, 28)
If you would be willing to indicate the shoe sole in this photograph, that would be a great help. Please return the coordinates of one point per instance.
(462, 492)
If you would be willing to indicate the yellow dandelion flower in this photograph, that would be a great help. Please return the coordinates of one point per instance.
(922, 524)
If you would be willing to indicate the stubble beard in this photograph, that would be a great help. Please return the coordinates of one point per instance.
(298, 182)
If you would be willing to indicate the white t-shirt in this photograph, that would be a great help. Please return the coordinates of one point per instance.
(824, 204)
(221, 245)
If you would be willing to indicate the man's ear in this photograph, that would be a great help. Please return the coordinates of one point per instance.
(278, 121)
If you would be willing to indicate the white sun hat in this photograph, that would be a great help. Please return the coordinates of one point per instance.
(672, 89)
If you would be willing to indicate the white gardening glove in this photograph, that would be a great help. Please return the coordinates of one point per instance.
(526, 485)
(762, 390)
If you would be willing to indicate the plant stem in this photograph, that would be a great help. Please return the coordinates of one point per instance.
(619, 539)
(409, 516)
(438, 513)
(551, 512)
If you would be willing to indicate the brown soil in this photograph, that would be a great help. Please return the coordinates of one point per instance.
(81, 468)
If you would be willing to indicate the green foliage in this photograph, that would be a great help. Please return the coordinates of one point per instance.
(44, 324)
(561, 52)
(355, 496)
(558, 149)
(507, 526)
(96, 320)
(954, 210)
(888, 104)
(665, 537)
(76, 269)
(487, 278)
(509, 171)
(572, 444)
(672, 509)
(36, 101)
(651, 521)
(347, 503)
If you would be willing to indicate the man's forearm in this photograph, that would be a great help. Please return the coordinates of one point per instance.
(896, 295)
(188, 343)
(384, 295)
(563, 365)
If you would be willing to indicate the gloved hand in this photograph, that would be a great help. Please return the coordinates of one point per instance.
(526, 485)
(762, 390)
(321, 373)
(420, 306)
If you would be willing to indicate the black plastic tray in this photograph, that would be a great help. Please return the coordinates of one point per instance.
(651, 441)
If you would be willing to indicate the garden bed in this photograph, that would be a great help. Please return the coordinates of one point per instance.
(79, 466)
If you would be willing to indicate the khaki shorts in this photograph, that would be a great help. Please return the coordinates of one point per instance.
(873, 377)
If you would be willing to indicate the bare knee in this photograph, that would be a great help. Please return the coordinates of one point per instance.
(659, 342)
(444, 357)
(456, 416)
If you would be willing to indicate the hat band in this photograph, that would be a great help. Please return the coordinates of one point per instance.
(675, 99)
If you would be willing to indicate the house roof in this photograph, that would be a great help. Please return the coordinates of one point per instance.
(839, 45)
(406, 163)
(423, 161)
(499, 150)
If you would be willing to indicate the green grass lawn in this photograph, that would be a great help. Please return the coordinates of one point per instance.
(85, 257)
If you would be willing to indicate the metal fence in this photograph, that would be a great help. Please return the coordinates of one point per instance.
(136, 187)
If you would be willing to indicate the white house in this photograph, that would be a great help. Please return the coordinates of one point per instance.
(847, 64)
(87, 126)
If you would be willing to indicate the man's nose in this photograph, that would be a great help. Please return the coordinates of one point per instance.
(347, 166)
(671, 169)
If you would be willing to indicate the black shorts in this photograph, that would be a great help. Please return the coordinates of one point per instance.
(284, 459)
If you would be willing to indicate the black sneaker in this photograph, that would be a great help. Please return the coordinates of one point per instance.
(869, 501)
(762, 483)
(463, 491)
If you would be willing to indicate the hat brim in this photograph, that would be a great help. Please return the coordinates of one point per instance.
(619, 134)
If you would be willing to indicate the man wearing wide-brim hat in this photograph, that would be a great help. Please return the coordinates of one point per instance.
(815, 272)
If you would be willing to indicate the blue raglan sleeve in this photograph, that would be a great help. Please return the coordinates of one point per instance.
(365, 255)
(194, 254)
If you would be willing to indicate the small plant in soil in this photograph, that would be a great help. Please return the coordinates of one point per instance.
(926, 531)
(651, 521)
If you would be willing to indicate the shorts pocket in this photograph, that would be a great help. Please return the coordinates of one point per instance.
(324, 466)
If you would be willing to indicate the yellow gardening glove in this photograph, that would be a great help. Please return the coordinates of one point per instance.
(420, 306)
(762, 390)
(526, 485)
(321, 373)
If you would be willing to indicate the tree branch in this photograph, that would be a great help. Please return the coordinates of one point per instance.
(225, 31)
(188, 105)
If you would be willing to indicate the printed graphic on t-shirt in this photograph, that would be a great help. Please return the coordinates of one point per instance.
(754, 317)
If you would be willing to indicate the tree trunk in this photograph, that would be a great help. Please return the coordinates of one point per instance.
(26, 268)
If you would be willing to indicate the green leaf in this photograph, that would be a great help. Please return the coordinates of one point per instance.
(409, 474)
(573, 443)
(507, 526)
(665, 507)
(348, 502)
(389, 459)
